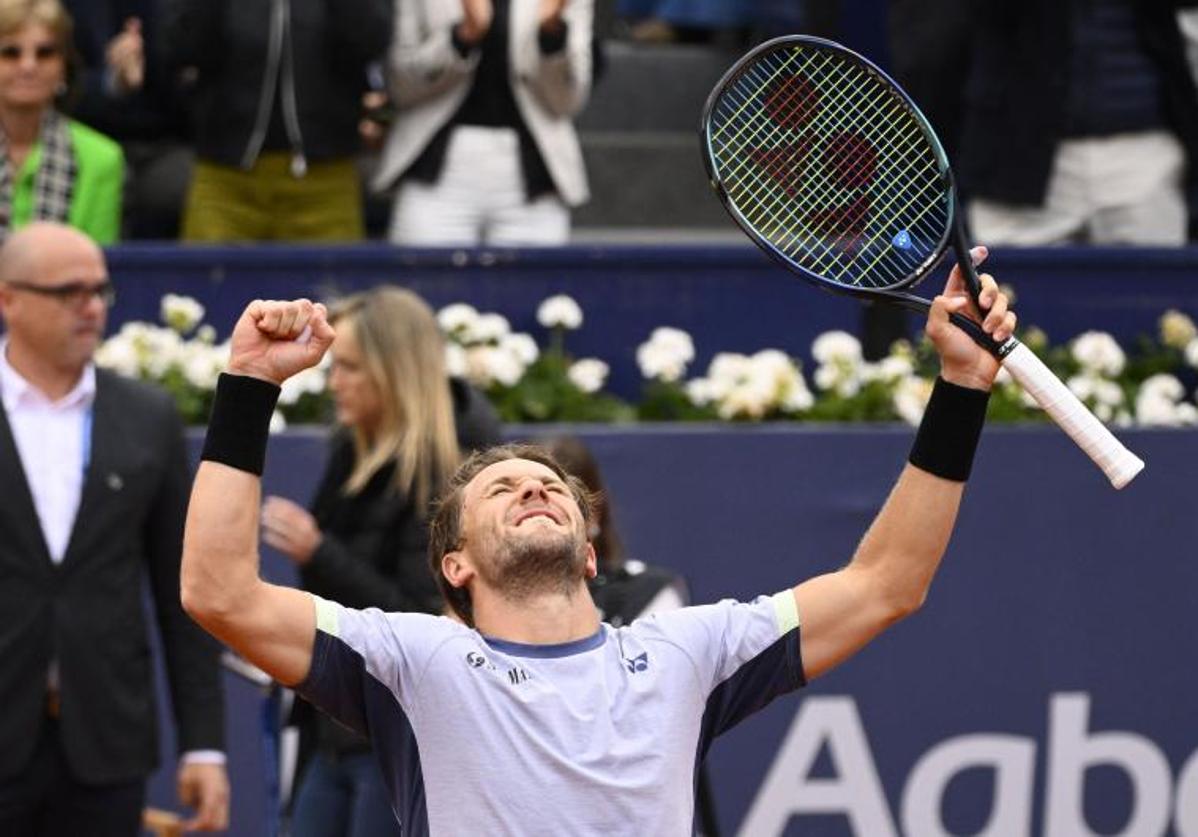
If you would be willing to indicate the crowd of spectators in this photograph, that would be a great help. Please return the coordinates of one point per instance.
(280, 120)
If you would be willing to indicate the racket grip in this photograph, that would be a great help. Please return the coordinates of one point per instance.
(1118, 463)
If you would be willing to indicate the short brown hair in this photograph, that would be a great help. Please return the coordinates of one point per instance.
(445, 528)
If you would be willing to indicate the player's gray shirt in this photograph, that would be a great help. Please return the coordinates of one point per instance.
(603, 735)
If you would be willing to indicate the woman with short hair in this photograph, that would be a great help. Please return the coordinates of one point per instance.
(52, 168)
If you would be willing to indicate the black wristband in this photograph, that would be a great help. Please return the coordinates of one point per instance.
(949, 432)
(240, 422)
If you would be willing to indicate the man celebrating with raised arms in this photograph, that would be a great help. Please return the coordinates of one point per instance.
(528, 715)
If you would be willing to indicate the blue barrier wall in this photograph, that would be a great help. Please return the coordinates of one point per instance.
(1049, 680)
(728, 298)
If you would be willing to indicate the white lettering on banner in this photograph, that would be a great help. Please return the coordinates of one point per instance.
(789, 791)
(855, 790)
(1072, 749)
(1187, 798)
(1011, 757)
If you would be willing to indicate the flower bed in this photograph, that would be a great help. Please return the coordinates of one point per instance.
(1149, 385)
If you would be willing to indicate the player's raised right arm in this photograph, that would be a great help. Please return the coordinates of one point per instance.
(271, 626)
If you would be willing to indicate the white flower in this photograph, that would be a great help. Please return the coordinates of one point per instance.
(1192, 353)
(161, 349)
(726, 371)
(201, 365)
(1098, 353)
(1082, 386)
(1187, 413)
(1157, 402)
(1108, 393)
(489, 328)
(1177, 329)
(894, 368)
(666, 354)
(559, 311)
(1163, 386)
(522, 346)
(841, 368)
(309, 381)
(502, 367)
(120, 355)
(700, 392)
(588, 374)
(743, 387)
(780, 374)
(457, 319)
(1156, 412)
(910, 398)
(845, 381)
(455, 360)
(836, 346)
(181, 313)
(277, 422)
(798, 398)
(206, 334)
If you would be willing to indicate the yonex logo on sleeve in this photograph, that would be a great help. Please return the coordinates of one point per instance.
(638, 663)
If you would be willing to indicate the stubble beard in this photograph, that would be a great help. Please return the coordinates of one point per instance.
(553, 562)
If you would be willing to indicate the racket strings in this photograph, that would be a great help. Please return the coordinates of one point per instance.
(823, 188)
(827, 185)
(850, 216)
(845, 219)
(878, 203)
(863, 166)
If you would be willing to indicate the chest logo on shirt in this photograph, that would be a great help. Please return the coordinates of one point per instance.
(638, 663)
(477, 660)
(517, 676)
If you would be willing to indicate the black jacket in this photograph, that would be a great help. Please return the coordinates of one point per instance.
(249, 54)
(154, 112)
(87, 612)
(1016, 108)
(374, 551)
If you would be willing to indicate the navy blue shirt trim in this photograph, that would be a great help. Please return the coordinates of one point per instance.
(561, 649)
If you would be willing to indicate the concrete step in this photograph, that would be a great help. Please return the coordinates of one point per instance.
(654, 88)
(649, 179)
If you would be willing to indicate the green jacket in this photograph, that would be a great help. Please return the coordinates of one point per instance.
(96, 196)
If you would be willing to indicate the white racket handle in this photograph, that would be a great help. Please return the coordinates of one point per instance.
(1118, 463)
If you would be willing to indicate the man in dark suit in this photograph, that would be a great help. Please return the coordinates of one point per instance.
(94, 481)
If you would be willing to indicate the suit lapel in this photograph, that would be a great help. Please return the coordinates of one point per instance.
(17, 503)
(102, 476)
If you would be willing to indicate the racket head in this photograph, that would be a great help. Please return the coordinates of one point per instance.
(829, 167)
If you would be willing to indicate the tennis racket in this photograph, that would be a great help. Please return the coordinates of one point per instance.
(831, 169)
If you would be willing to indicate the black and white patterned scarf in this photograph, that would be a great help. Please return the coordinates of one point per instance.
(55, 178)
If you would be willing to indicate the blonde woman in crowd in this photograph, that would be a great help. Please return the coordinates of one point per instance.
(403, 424)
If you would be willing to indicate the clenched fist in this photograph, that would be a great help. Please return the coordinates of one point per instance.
(273, 340)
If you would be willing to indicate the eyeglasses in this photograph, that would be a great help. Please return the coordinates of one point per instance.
(74, 294)
(11, 53)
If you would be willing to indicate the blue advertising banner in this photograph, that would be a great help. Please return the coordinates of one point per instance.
(1047, 686)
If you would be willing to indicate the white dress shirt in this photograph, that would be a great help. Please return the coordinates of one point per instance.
(53, 439)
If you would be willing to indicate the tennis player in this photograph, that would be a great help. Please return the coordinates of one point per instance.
(527, 715)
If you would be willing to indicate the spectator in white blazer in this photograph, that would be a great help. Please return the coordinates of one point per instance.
(483, 147)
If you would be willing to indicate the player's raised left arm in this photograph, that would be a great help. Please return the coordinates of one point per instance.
(892, 568)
